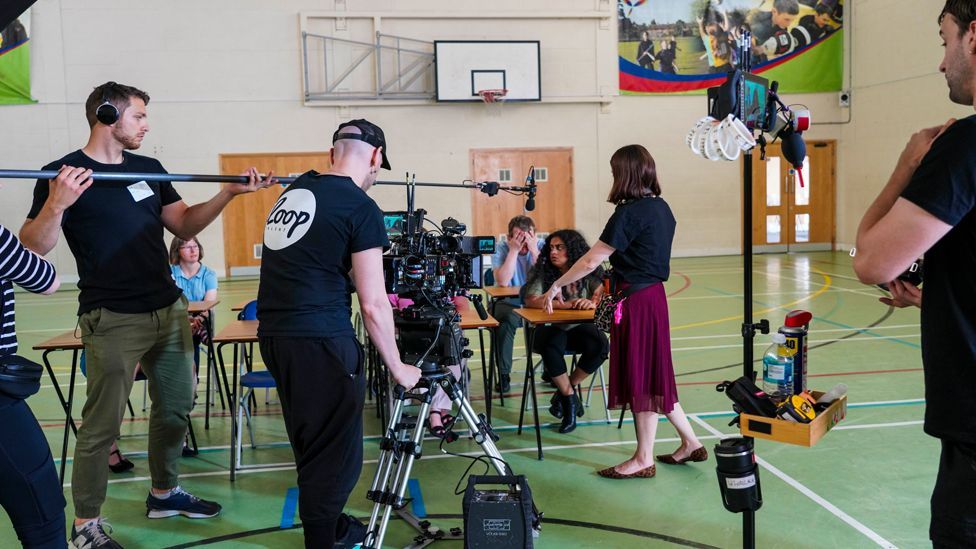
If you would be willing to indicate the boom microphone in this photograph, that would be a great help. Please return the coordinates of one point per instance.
(530, 181)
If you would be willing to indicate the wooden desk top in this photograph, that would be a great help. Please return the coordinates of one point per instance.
(498, 292)
(66, 342)
(558, 316)
(238, 331)
(196, 307)
(470, 320)
(240, 306)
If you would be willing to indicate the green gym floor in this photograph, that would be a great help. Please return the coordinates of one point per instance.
(866, 483)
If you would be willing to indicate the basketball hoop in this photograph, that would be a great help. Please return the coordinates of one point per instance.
(494, 99)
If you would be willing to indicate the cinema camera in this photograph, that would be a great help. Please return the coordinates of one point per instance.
(432, 267)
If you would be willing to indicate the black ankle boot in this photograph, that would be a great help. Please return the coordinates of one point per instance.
(569, 413)
(556, 405)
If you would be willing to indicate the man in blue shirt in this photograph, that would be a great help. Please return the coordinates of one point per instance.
(511, 264)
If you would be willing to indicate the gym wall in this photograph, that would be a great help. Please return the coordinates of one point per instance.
(225, 77)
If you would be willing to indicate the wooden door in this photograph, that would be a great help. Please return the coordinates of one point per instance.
(244, 217)
(554, 202)
(786, 215)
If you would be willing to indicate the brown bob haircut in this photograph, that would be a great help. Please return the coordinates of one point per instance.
(634, 174)
(174, 249)
(116, 94)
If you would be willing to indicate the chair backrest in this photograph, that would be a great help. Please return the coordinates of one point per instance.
(489, 278)
(249, 312)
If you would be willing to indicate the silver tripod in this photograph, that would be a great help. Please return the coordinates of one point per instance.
(402, 444)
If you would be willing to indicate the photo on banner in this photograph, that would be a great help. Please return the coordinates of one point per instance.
(685, 46)
(15, 62)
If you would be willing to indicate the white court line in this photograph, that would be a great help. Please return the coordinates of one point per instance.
(272, 467)
(874, 536)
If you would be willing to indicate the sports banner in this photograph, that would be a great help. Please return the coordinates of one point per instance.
(681, 46)
(15, 62)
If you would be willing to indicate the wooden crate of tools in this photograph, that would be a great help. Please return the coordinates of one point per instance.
(802, 434)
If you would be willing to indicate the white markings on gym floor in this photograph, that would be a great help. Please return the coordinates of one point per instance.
(874, 536)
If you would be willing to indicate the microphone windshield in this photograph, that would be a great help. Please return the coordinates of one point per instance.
(794, 149)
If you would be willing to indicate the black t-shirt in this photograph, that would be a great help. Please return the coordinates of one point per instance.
(115, 232)
(309, 238)
(945, 186)
(641, 231)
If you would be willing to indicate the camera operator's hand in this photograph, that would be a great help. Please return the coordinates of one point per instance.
(405, 375)
(903, 294)
(920, 143)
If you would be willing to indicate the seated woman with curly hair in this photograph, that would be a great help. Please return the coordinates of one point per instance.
(560, 252)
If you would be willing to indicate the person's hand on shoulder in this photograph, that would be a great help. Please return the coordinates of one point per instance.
(919, 144)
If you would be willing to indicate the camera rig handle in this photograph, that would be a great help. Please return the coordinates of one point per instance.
(478, 301)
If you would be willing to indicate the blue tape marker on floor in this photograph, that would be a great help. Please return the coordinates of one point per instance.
(413, 486)
(288, 509)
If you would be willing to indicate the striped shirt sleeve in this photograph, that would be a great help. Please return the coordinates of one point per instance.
(22, 266)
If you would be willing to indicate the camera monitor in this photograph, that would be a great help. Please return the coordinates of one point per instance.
(396, 223)
(724, 100)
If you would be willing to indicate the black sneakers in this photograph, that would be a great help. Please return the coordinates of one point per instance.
(91, 535)
(180, 502)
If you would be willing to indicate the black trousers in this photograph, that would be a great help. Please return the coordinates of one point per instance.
(954, 498)
(553, 342)
(322, 390)
(29, 488)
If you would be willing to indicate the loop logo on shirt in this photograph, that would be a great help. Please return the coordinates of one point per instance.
(290, 219)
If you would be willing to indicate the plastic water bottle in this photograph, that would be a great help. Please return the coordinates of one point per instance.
(778, 368)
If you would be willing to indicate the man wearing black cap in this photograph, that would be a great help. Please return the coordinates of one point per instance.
(322, 237)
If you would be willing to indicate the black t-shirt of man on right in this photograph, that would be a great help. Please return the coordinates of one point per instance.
(944, 185)
(309, 238)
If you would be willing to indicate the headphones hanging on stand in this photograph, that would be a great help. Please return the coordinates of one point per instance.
(107, 113)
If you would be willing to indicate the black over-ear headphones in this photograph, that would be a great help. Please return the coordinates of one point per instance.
(107, 113)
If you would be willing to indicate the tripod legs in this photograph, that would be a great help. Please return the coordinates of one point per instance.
(402, 444)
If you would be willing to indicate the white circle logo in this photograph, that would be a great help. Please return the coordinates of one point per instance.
(290, 219)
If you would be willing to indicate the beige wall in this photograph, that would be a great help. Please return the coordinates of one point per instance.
(226, 78)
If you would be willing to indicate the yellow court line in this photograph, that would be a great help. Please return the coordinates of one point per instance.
(824, 288)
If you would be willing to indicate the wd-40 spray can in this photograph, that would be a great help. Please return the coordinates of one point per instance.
(795, 329)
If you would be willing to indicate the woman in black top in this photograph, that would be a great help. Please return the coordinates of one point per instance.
(29, 488)
(561, 250)
(637, 240)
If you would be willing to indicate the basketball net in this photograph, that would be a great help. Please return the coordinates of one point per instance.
(494, 99)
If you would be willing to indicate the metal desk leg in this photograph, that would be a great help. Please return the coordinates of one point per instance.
(530, 386)
(490, 381)
(57, 386)
(233, 415)
(69, 421)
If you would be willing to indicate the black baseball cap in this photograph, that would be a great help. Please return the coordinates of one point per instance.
(371, 133)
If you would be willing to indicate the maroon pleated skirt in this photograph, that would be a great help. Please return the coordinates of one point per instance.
(641, 371)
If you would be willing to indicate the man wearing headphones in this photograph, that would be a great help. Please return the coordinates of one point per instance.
(130, 310)
(929, 206)
(323, 236)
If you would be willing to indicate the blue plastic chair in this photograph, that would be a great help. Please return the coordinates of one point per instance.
(249, 382)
